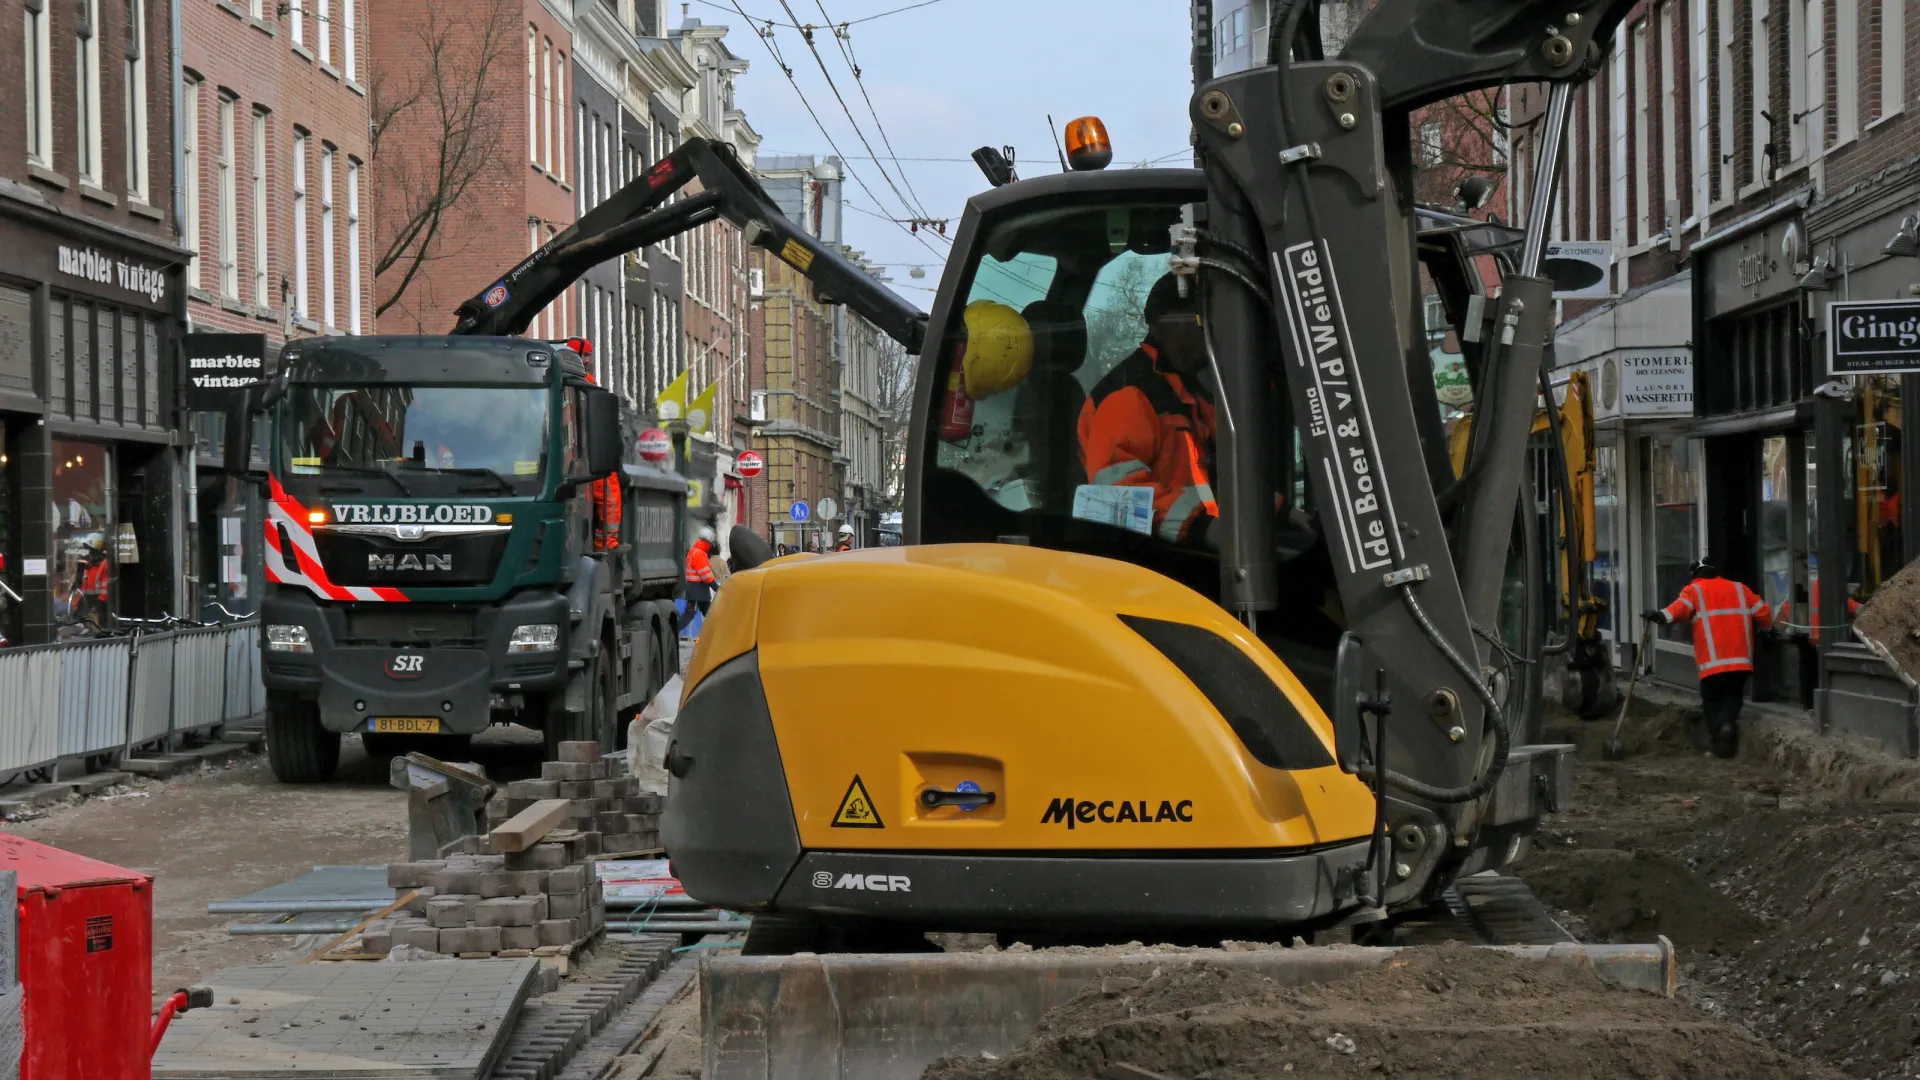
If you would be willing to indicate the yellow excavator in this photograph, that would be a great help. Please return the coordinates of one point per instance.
(1052, 714)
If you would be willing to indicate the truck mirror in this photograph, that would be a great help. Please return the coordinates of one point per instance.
(748, 549)
(237, 453)
(603, 432)
(1355, 690)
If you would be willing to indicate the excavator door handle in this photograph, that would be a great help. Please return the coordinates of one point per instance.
(934, 798)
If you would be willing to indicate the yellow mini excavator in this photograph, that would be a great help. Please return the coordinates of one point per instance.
(1283, 685)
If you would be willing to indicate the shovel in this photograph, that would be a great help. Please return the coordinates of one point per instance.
(1615, 750)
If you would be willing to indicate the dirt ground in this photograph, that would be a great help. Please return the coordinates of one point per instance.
(221, 833)
(671, 1047)
(1892, 617)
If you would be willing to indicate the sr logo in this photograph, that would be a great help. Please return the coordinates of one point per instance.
(406, 666)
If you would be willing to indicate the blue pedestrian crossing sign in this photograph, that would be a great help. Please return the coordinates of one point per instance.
(798, 511)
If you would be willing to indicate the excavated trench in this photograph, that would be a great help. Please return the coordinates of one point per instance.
(1785, 879)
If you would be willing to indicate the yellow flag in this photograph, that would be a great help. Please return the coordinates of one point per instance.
(700, 415)
(672, 402)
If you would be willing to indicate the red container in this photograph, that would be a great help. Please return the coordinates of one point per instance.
(86, 964)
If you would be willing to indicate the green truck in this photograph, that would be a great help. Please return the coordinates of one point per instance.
(439, 549)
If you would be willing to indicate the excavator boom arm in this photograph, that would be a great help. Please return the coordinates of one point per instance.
(645, 212)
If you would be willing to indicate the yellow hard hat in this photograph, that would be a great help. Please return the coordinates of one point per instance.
(999, 349)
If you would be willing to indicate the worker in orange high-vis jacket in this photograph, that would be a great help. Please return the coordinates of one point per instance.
(606, 504)
(1149, 422)
(700, 581)
(1725, 615)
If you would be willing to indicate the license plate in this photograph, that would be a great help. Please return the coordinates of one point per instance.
(404, 725)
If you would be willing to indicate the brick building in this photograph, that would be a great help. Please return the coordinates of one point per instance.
(791, 337)
(92, 297)
(478, 171)
(1745, 164)
(278, 198)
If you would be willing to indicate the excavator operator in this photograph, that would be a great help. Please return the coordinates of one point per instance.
(1149, 421)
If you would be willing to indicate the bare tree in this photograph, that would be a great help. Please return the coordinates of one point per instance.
(1470, 134)
(897, 373)
(438, 108)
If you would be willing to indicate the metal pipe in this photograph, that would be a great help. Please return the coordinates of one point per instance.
(1546, 178)
(726, 927)
(262, 929)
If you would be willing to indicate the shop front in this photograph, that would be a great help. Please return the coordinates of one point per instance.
(1636, 352)
(1751, 450)
(87, 470)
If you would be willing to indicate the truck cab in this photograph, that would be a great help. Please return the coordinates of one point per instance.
(440, 554)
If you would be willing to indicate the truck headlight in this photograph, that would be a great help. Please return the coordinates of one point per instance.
(534, 637)
(288, 639)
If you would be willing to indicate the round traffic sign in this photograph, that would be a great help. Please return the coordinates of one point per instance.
(829, 510)
(750, 464)
(798, 511)
(655, 445)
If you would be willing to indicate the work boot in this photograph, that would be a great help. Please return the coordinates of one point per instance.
(1726, 741)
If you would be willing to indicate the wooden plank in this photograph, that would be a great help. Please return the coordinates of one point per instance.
(529, 826)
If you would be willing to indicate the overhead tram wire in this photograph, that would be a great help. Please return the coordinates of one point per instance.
(779, 61)
(842, 39)
(796, 26)
(814, 48)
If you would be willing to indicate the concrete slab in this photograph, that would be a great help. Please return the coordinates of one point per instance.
(165, 765)
(95, 783)
(27, 799)
(439, 1020)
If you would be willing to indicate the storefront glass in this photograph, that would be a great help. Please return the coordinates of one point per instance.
(1776, 538)
(1875, 473)
(1674, 466)
(82, 572)
(1607, 556)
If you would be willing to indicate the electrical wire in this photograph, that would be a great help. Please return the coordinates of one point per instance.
(814, 48)
(767, 40)
(845, 42)
(849, 22)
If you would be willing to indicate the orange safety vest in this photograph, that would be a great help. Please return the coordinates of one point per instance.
(1144, 426)
(1723, 613)
(606, 509)
(699, 567)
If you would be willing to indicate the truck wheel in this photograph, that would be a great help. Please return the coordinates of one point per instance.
(298, 748)
(597, 723)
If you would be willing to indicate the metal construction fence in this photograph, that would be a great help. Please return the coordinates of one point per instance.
(96, 696)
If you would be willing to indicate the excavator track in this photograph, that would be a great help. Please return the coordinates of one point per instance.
(1485, 909)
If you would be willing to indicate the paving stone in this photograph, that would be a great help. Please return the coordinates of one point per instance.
(413, 875)
(485, 860)
(532, 790)
(542, 856)
(566, 905)
(471, 939)
(418, 905)
(558, 931)
(575, 789)
(497, 883)
(449, 911)
(645, 804)
(376, 939)
(420, 937)
(612, 788)
(567, 770)
(453, 881)
(600, 770)
(567, 881)
(585, 750)
(510, 911)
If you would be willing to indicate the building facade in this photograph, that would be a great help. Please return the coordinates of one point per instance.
(600, 294)
(92, 303)
(862, 426)
(276, 185)
(474, 165)
(792, 337)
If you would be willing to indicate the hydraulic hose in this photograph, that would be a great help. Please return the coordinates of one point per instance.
(1567, 521)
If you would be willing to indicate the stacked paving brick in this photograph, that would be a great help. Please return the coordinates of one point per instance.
(540, 899)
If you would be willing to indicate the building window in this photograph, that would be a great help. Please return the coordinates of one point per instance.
(533, 95)
(257, 9)
(546, 98)
(39, 63)
(137, 100)
(300, 303)
(229, 213)
(1846, 82)
(1806, 80)
(1617, 138)
(190, 174)
(1702, 94)
(259, 192)
(1669, 137)
(1641, 104)
(326, 235)
(323, 31)
(296, 18)
(560, 116)
(1724, 119)
(1430, 145)
(83, 500)
(1893, 57)
(87, 91)
(353, 246)
(582, 195)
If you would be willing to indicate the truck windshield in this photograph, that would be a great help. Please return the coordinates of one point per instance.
(417, 440)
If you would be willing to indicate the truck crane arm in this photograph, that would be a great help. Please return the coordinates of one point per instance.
(644, 212)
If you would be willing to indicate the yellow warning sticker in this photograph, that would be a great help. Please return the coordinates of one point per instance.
(856, 809)
(796, 256)
(525, 468)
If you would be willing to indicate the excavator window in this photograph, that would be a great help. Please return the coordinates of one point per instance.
(1008, 436)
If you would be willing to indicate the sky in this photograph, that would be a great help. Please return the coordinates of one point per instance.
(951, 76)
